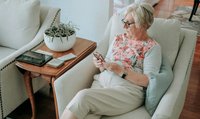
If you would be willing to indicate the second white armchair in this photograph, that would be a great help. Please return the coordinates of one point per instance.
(12, 88)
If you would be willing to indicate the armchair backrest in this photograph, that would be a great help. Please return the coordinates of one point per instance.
(22, 20)
(19, 22)
(45, 11)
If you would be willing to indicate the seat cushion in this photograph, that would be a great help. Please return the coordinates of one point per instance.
(140, 113)
(19, 22)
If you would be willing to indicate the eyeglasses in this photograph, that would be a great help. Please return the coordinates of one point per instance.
(126, 23)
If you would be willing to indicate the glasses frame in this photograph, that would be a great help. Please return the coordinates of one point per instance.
(126, 23)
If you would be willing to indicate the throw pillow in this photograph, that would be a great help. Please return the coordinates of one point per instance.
(158, 84)
(19, 22)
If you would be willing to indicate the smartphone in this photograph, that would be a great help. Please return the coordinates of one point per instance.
(99, 56)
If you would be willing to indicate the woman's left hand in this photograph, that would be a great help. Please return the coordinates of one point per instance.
(114, 67)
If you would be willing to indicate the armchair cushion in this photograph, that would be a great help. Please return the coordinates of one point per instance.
(158, 84)
(116, 27)
(19, 22)
(166, 32)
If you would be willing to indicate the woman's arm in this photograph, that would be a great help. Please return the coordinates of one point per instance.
(152, 63)
(136, 78)
(99, 63)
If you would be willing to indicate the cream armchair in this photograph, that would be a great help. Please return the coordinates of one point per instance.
(12, 88)
(177, 43)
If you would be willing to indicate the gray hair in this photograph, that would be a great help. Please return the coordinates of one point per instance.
(142, 14)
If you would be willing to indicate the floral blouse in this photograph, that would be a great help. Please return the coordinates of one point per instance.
(130, 53)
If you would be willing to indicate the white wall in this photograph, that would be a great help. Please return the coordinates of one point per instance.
(91, 16)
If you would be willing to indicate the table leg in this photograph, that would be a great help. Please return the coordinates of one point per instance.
(29, 90)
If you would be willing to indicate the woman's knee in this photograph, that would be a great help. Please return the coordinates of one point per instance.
(83, 95)
(67, 114)
(79, 104)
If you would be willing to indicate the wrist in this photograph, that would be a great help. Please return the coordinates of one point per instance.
(101, 69)
(123, 74)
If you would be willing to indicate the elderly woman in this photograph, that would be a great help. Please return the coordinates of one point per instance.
(120, 86)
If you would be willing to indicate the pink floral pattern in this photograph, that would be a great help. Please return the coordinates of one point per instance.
(130, 53)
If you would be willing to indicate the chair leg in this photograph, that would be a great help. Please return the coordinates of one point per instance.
(193, 10)
(196, 7)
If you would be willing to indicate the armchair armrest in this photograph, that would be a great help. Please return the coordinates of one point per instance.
(172, 102)
(71, 82)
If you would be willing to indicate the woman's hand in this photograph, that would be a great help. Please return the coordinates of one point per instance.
(98, 63)
(114, 67)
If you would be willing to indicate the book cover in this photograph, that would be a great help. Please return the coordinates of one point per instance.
(34, 58)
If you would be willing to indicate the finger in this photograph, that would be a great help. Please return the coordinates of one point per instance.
(99, 61)
(94, 58)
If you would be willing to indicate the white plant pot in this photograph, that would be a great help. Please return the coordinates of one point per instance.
(60, 45)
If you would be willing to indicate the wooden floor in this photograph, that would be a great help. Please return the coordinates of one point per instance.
(45, 105)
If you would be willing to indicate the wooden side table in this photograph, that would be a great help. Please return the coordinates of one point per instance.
(81, 49)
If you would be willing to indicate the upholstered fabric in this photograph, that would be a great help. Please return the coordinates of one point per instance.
(158, 84)
(4, 52)
(117, 26)
(171, 104)
(140, 113)
(168, 39)
(19, 22)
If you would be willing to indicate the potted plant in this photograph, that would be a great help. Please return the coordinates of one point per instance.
(61, 37)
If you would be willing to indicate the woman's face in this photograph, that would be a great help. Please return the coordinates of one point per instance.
(130, 26)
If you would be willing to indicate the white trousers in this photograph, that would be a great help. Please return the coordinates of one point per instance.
(109, 95)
